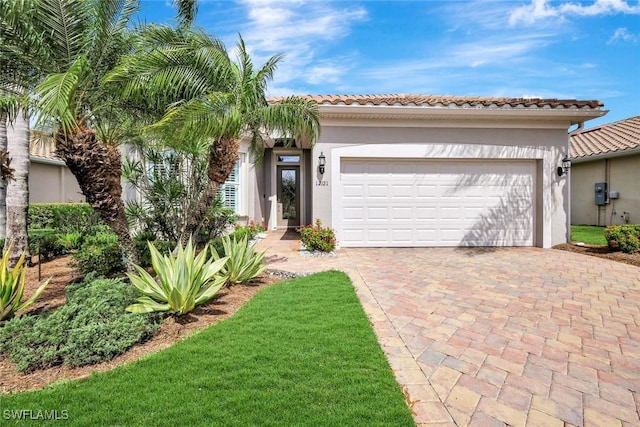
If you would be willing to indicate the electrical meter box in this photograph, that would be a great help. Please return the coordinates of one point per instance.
(601, 193)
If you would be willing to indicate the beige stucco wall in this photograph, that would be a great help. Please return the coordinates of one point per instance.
(52, 183)
(545, 145)
(621, 174)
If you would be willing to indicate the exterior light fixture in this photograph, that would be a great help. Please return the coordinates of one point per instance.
(566, 165)
(322, 161)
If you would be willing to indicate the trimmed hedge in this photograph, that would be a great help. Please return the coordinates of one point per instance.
(65, 217)
(625, 238)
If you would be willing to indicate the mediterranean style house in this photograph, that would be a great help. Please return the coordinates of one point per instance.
(605, 176)
(419, 170)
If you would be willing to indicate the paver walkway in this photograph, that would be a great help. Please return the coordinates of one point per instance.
(517, 336)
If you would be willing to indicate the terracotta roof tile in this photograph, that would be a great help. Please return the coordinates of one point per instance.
(449, 101)
(610, 138)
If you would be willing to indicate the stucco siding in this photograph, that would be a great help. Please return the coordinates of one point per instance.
(50, 183)
(622, 174)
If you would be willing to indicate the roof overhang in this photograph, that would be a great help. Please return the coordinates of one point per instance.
(608, 155)
(568, 116)
(46, 160)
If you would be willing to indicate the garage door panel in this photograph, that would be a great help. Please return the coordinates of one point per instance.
(437, 203)
(355, 191)
(401, 213)
(377, 213)
(378, 191)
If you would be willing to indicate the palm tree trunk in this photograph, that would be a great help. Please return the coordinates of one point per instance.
(98, 168)
(223, 156)
(17, 198)
(3, 180)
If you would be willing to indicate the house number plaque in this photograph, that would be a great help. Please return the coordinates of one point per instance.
(322, 183)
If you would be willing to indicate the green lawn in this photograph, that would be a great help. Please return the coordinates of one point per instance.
(589, 234)
(301, 353)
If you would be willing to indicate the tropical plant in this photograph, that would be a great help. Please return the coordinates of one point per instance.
(243, 262)
(67, 47)
(184, 280)
(16, 79)
(12, 286)
(170, 178)
(318, 238)
(213, 98)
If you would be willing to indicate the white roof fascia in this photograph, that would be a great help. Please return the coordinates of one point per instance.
(46, 160)
(573, 115)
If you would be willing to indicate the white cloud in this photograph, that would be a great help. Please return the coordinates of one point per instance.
(302, 30)
(543, 9)
(624, 35)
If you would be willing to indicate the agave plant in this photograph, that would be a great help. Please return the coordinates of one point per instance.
(243, 262)
(184, 280)
(12, 284)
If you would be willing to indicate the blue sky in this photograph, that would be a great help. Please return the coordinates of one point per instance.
(514, 48)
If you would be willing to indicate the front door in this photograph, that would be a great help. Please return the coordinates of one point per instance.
(288, 196)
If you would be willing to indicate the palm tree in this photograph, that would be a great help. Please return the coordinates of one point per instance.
(70, 46)
(16, 76)
(211, 97)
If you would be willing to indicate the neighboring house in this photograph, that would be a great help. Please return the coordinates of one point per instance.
(414, 170)
(50, 181)
(606, 157)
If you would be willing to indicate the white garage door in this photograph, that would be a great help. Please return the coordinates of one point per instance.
(391, 202)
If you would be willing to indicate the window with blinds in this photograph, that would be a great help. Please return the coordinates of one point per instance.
(230, 190)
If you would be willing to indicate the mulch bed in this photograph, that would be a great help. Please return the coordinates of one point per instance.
(172, 330)
(601, 252)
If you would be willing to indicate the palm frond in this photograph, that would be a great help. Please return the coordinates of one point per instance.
(65, 23)
(55, 96)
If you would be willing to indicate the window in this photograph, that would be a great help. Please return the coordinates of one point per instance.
(230, 190)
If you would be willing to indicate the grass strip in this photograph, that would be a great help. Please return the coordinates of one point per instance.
(300, 353)
(589, 234)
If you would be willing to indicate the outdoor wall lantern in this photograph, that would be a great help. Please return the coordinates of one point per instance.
(566, 165)
(322, 161)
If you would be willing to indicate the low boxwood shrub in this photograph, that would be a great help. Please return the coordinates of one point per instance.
(100, 254)
(91, 327)
(625, 238)
(318, 238)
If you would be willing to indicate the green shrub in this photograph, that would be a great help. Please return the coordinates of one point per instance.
(251, 230)
(243, 262)
(217, 220)
(91, 327)
(625, 238)
(71, 241)
(12, 285)
(142, 248)
(318, 238)
(65, 217)
(46, 242)
(184, 281)
(100, 254)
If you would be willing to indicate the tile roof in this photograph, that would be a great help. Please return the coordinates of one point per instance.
(449, 101)
(42, 148)
(610, 138)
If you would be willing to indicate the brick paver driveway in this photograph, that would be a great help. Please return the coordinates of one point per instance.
(518, 336)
